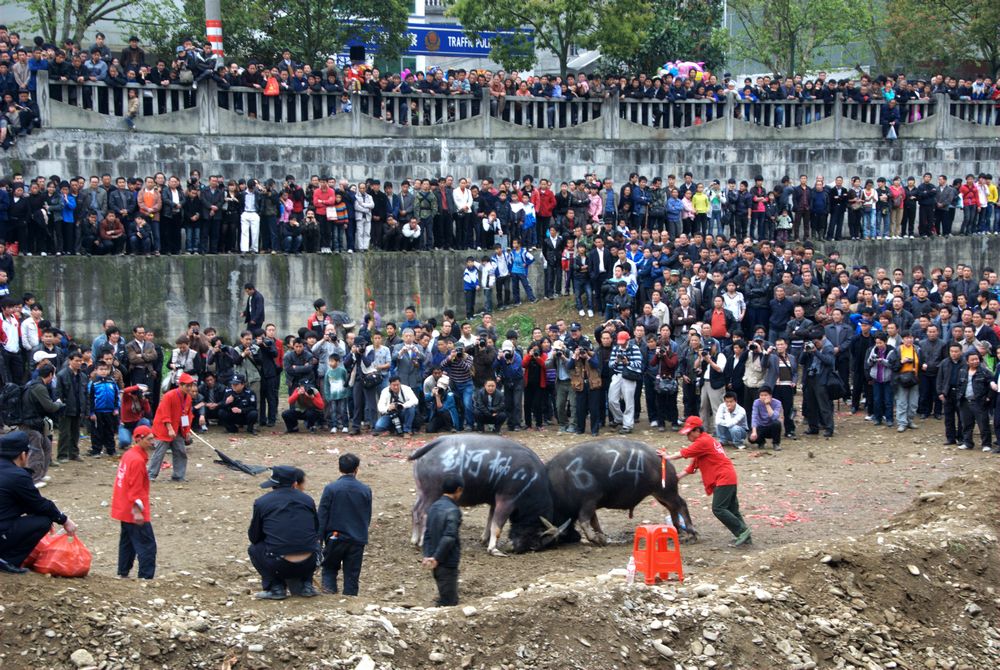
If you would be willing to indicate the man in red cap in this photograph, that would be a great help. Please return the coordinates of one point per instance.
(130, 505)
(626, 370)
(172, 428)
(717, 474)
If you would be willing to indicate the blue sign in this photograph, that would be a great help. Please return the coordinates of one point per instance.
(434, 39)
(449, 39)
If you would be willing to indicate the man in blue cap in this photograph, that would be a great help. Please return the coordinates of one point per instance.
(284, 536)
(25, 516)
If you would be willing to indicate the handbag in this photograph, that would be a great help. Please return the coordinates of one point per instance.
(835, 386)
(371, 380)
(667, 385)
(907, 380)
(631, 375)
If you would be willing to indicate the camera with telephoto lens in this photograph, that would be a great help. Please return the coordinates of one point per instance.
(706, 351)
(397, 421)
(809, 346)
(482, 341)
(508, 356)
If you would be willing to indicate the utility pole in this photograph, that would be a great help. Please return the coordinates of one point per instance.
(213, 25)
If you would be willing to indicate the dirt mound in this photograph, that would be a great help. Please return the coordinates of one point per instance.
(918, 592)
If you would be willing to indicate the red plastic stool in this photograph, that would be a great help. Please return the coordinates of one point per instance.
(657, 553)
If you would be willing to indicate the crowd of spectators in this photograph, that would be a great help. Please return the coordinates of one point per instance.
(756, 347)
(507, 91)
(102, 215)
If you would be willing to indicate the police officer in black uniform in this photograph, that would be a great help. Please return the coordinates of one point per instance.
(25, 516)
(239, 407)
(284, 536)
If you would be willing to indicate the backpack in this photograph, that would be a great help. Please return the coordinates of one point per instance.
(10, 404)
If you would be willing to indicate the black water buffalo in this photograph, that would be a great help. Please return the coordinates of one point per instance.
(611, 473)
(505, 475)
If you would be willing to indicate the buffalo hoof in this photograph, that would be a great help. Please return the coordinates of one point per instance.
(600, 539)
(496, 552)
(689, 537)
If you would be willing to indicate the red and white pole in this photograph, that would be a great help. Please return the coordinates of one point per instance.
(213, 25)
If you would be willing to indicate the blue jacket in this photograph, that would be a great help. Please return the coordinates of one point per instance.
(345, 508)
(520, 260)
(102, 393)
(470, 278)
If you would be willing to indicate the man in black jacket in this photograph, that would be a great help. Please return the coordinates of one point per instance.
(253, 312)
(926, 194)
(71, 387)
(947, 392)
(25, 516)
(269, 373)
(212, 198)
(441, 545)
(345, 512)
(284, 536)
(552, 249)
(973, 402)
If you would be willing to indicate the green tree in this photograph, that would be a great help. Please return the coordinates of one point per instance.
(944, 33)
(615, 27)
(788, 36)
(680, 30)
(313, 31)
(59, 20)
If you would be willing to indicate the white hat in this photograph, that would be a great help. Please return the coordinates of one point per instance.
(444, 382)
(507, 346)
(41, 356)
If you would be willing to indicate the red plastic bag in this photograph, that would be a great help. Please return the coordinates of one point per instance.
(64, 556)
(42, 545)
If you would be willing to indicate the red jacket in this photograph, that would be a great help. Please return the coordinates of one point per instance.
(174, 405)
(544, 202)
(134, 406)
(317, 400)
(970, 195)
(540, 361)
(708, 456)
(131, 484)
(323, 199)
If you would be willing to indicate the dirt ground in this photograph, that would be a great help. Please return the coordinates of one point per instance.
(815, 490)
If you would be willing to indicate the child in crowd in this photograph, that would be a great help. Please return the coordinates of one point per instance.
(335, 394)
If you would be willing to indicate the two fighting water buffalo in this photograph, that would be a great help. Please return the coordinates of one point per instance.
(542, 502)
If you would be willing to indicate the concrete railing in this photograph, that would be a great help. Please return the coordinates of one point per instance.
(237, 111)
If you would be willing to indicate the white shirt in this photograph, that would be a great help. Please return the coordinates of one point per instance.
(721, 362)
(723, 417)
(463, 199)
(406, 397)
(13, 343)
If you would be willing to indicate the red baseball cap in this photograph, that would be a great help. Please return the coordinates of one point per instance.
(623, 337)
(690, 424)
(141, 432)
(185, 378)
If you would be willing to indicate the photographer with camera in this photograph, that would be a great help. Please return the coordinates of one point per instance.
(442, 414)
(663, 362)
(783, 376)
(489, 406)
(250, 362)
(585, 380)
(484, 353)
(710, 367)
(270, 371)
(559, 360)
(510, 373)
(535, 382)
(397, 405)
(325, 347)
(754, 370)
(305, 404)
(626, 371)
(818, 362)
(458, 366)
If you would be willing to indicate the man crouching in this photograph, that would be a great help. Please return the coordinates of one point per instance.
(284, 536)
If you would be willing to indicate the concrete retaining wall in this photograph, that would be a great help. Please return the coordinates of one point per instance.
(83, 152)
(165, 292)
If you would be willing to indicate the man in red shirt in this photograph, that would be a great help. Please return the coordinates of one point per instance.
(130, 505)
(172, 428)
(717, 474)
